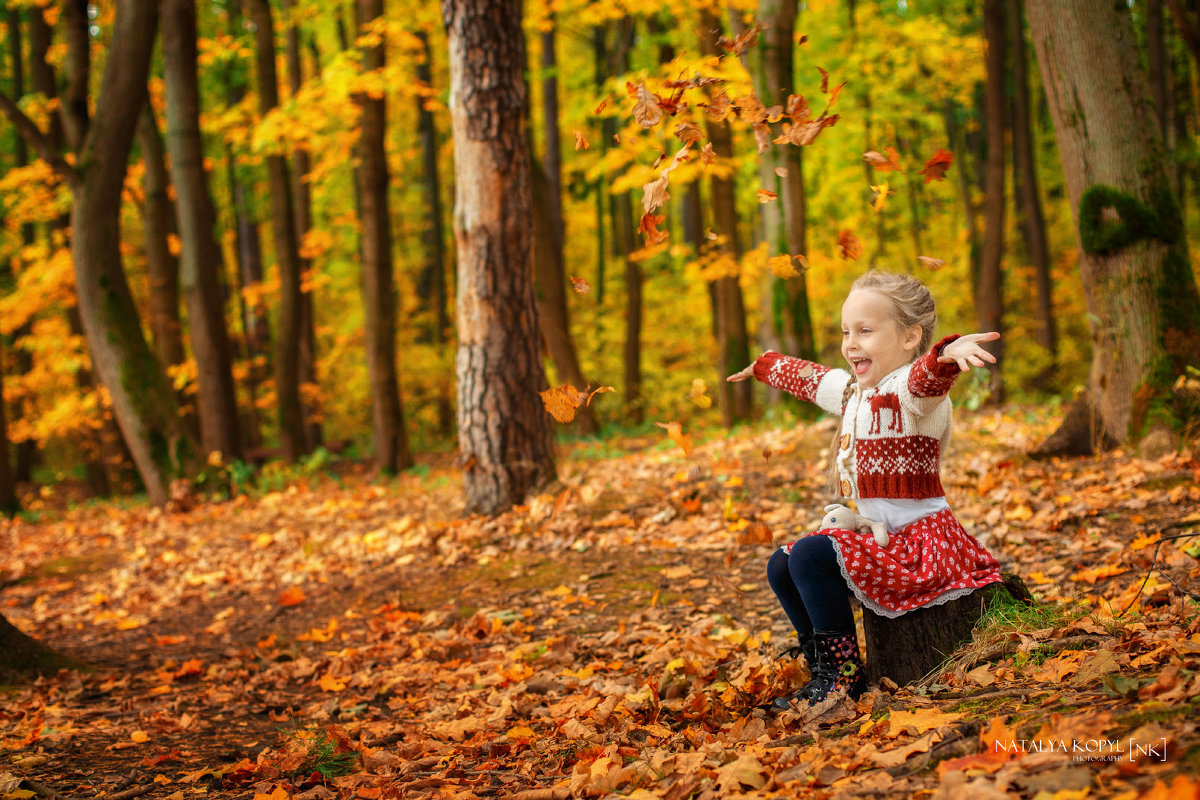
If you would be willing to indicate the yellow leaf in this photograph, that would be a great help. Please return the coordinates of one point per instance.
(922, 719)
(139, 736)
(675, 432)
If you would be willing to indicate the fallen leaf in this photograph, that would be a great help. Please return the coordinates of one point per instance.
(291, 596)
(675, 432)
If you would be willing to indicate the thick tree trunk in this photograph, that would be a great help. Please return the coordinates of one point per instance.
(379, 290)
(292, 438)
(142, 399)
(958, 139)
(775, 82)
(1133, 259)
(733, 342)
(1029, 200)
(162, 266)
(200, 261)
(433, 275)
(549, 236)
(625, 241)
(23, 657)
(504, 431)
(911, 646)
(989, 284)
(302, 197)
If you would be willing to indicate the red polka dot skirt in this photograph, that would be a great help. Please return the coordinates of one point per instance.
(930, 562)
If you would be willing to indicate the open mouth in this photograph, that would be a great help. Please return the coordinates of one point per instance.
(861, 365)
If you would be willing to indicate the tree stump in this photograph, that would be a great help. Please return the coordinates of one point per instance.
(23, 657)
(910, 646)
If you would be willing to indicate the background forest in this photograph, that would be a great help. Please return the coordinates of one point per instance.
(313, 140)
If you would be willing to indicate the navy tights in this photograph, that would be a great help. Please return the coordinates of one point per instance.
(810, 587)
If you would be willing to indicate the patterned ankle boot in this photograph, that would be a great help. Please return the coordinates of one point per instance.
(839, 667)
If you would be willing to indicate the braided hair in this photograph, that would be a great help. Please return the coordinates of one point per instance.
(911, 304)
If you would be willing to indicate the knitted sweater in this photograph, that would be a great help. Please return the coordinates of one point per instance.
(892, 435)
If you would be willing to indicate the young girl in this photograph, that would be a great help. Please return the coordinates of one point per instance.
(895, 426)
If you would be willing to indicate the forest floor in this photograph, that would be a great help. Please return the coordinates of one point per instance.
(349, 636)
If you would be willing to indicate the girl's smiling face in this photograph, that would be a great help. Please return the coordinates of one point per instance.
(873, 342)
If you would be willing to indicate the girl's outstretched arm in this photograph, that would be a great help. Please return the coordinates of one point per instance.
(742, 375)
(967, 352)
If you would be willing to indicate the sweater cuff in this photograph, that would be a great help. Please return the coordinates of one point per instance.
(764, 364)
(938, 368)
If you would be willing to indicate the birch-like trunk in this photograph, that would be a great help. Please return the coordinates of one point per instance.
(504, 430)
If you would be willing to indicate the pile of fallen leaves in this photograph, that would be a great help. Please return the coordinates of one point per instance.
(615, 637)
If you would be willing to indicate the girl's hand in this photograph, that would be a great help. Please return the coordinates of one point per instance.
(967, 352)
(743, 375)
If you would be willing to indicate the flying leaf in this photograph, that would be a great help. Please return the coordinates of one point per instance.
(646, 111)
(581, 142)
(848, 245)
(931, 262)
(580, 285)
(601, 107)
(935, 168)
(766, 196)
(884, 163)
(781, 172)
(561, 401)
(688, 132)
(599, 390)
(824, 81)
(881, 194)
(649, 226)
(699, 393)
(706, 153)
(675, 432)
(738, 44)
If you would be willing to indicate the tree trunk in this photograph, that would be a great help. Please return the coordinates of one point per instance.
(379, 290)
(1029, 201)
(292, 437)
(25, 450)
(989, 284)
(302, 197)
(1133, 258)
(775, 82)
(249, 273)
(23, 657)
(553, 311)
(911, 646)
(162, 266)
(142, 399)
(1156, 61)
(433, 275)
(733, 343)
(200, 261)
(504, 430)
(624, 237)
(958, 139)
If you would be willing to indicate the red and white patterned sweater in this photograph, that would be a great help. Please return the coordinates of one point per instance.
(892, 435)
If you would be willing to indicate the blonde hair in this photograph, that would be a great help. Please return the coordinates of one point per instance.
(911, 304)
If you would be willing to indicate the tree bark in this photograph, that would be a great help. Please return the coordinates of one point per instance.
(256, 333)
(549, 236)
(504, 431)
(142, 399)
(292, 438)
(433, 275)
(25, 450)
(379, 290)
(775, 82)
(162, 267)
(302, 197)
(989, 284)
(1133, 258)
(1029, 200)
(200, 261)
(23, 657)
(733, 343)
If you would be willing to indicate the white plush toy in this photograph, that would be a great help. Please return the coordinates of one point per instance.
(842, 518)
